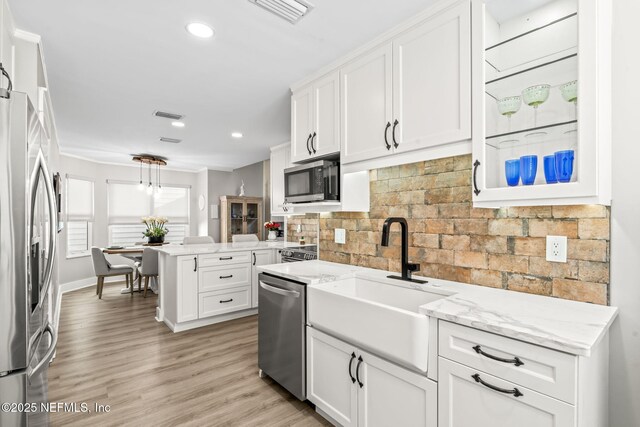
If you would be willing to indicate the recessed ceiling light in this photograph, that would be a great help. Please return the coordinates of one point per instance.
(177, 124)
(236, 134)
(200, 30)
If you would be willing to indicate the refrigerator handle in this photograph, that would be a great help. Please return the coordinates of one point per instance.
(48, 356)
(53, 218)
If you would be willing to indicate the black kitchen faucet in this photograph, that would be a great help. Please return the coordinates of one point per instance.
(407, 267)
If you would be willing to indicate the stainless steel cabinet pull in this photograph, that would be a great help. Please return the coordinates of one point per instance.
(516, 360)
(226, 301)
(279, 291)
(227, 277)
(515, 391)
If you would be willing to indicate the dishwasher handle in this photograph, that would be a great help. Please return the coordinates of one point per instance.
(279, 291)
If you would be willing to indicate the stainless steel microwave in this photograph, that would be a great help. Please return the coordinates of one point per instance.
(312, 182)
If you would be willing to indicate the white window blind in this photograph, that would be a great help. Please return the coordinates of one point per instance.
(127, 205)
(79, 199)
(79, 239)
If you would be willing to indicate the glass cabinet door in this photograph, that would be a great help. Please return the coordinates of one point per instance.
(253, 226)
(237, 218)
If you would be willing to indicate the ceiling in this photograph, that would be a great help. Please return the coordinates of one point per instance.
(110, 64)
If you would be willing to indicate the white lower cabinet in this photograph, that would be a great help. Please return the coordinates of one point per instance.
(356, 388)
(187, 292)
(468, 397)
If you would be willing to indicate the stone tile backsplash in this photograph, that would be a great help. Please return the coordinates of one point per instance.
(501, 248)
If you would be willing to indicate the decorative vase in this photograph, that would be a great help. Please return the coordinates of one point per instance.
(272, 235)
(155, 240)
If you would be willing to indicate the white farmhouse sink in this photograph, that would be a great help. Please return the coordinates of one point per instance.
(379, 315)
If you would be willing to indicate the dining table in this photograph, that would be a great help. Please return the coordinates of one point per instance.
(133, 253)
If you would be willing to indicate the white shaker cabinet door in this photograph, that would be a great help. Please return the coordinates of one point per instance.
(466, 399)
(331, 366)
(325, 137)
(367, 106)
(279, 162)
(391, 395)
(187, 288)
(432, 81)
(301, 124)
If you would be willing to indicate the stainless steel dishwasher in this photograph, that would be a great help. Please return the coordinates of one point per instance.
(281, 332)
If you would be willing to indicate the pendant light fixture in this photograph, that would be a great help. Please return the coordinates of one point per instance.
(150, 161)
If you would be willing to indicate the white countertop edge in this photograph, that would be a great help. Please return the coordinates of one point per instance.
(212, 248)
(585, 337)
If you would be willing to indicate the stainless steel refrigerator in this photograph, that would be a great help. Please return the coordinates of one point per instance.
(28, 225)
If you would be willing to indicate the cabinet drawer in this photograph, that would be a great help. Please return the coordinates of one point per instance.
(225, 301)
(546, 371)
(224, 258)
(223, 277)
(470, 397)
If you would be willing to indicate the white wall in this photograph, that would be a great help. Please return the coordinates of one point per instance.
(74, 269)
(202, 190)
(624, 400)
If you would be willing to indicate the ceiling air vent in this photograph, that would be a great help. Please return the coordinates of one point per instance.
(289, 10)
(171, 140)
(166, 115)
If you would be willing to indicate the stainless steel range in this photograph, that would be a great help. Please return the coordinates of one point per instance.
(303, 253)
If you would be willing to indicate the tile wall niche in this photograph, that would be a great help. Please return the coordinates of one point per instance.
(500, 248)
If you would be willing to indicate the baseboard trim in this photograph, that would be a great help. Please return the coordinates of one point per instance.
(185, 326)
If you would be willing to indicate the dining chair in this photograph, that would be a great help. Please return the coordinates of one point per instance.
(197, 240)
(239, 238)
(148, 269)
(102, 268)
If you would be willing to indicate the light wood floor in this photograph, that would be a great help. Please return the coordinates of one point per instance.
(112, 351)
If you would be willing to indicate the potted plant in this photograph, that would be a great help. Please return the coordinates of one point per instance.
(272, 227)
(156, 229)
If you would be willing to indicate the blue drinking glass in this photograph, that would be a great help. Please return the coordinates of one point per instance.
(512, 172)
(550, 169)
(528, 169)
(564, 165)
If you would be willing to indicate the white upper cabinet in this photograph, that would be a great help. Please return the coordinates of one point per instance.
(542, 103)
(411, 93)
(315, 119)
(367, 105)
(432, 81)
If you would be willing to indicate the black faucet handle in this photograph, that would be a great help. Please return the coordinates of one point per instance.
(413, 267)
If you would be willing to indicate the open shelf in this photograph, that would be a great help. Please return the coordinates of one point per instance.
(537, 135)
(543, 44)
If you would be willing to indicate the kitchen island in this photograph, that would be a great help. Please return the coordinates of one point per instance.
(205, 284)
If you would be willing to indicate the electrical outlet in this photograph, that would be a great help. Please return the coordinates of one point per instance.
(340, 236)
(557, 248)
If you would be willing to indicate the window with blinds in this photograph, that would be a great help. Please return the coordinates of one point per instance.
(127, 205)
(79, 216)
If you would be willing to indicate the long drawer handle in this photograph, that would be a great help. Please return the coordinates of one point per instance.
(516, 360)
(226, 258)
(226, 301)
(360, 383)
(515, 391)
(353, 357)
(227, 277)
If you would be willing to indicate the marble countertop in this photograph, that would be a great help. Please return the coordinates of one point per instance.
(210, 248)
(564, 325)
